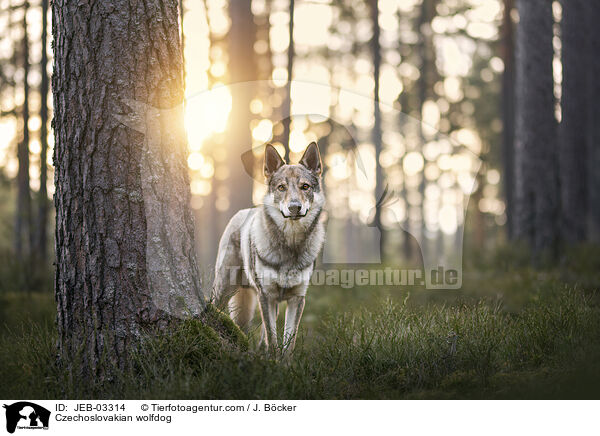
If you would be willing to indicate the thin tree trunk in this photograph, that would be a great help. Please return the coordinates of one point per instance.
(376, 132)
(42, 242)
(573, 128)
(287, 104)
(478, 218)
(404, 100)
(424, 30)
(215, 220)
(425, 87)
(407, 239)
(243, 71)
(508, 113)
(124, 228)
(23, 227)
(265, 60)
(536, 178)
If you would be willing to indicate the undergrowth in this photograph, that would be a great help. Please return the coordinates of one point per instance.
(398, 346)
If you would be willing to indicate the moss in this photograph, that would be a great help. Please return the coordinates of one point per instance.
(190, 344)
(222, 323)
(198, 342)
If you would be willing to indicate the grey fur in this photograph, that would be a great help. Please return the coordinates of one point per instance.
(271, 249)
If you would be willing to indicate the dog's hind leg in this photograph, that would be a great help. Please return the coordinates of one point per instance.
(228, 268)
(242, 306)
(225, 286)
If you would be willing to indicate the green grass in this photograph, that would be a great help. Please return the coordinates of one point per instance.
(508, 334)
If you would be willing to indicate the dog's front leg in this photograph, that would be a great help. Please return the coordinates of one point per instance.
(293, 313)
(262, 340)
(268, 313)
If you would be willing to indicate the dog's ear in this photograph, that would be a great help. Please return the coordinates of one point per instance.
(273, 161)
(312, 158)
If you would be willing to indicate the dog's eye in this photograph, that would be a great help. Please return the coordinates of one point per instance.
(281, 188)
(305, 186)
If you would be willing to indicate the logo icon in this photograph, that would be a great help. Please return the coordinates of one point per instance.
(26, 415)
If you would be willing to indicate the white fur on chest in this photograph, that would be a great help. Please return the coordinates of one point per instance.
(291, 281)
(292, 273)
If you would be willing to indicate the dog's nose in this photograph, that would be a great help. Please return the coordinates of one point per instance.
(294, 207)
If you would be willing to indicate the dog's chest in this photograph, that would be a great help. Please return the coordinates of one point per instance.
(282, 278)
(283, 261)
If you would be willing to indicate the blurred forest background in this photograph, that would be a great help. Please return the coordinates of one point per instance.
(444, 137)
(443, 125)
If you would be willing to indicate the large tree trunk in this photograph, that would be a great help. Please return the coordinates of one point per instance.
(592, 15)
(536, 179)
(242, 70)
(508, 114)
(573, 132)
(124, 228)
(23, 228)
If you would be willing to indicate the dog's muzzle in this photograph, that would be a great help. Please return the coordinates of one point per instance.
(293, 217)
(294, 210)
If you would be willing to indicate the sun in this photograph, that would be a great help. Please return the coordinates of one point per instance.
(206, 113)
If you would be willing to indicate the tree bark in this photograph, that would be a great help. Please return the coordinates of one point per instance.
(124, 228)
(573, 128)
(508, 113)
(243, 71)
(592, 15)
(536, 178)
(182, 39)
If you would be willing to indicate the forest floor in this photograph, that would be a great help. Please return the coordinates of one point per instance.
(509, 333)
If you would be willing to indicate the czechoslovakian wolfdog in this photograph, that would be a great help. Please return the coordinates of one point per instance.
(268, 253)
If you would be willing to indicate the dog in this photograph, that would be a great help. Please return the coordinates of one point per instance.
(267, 254)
